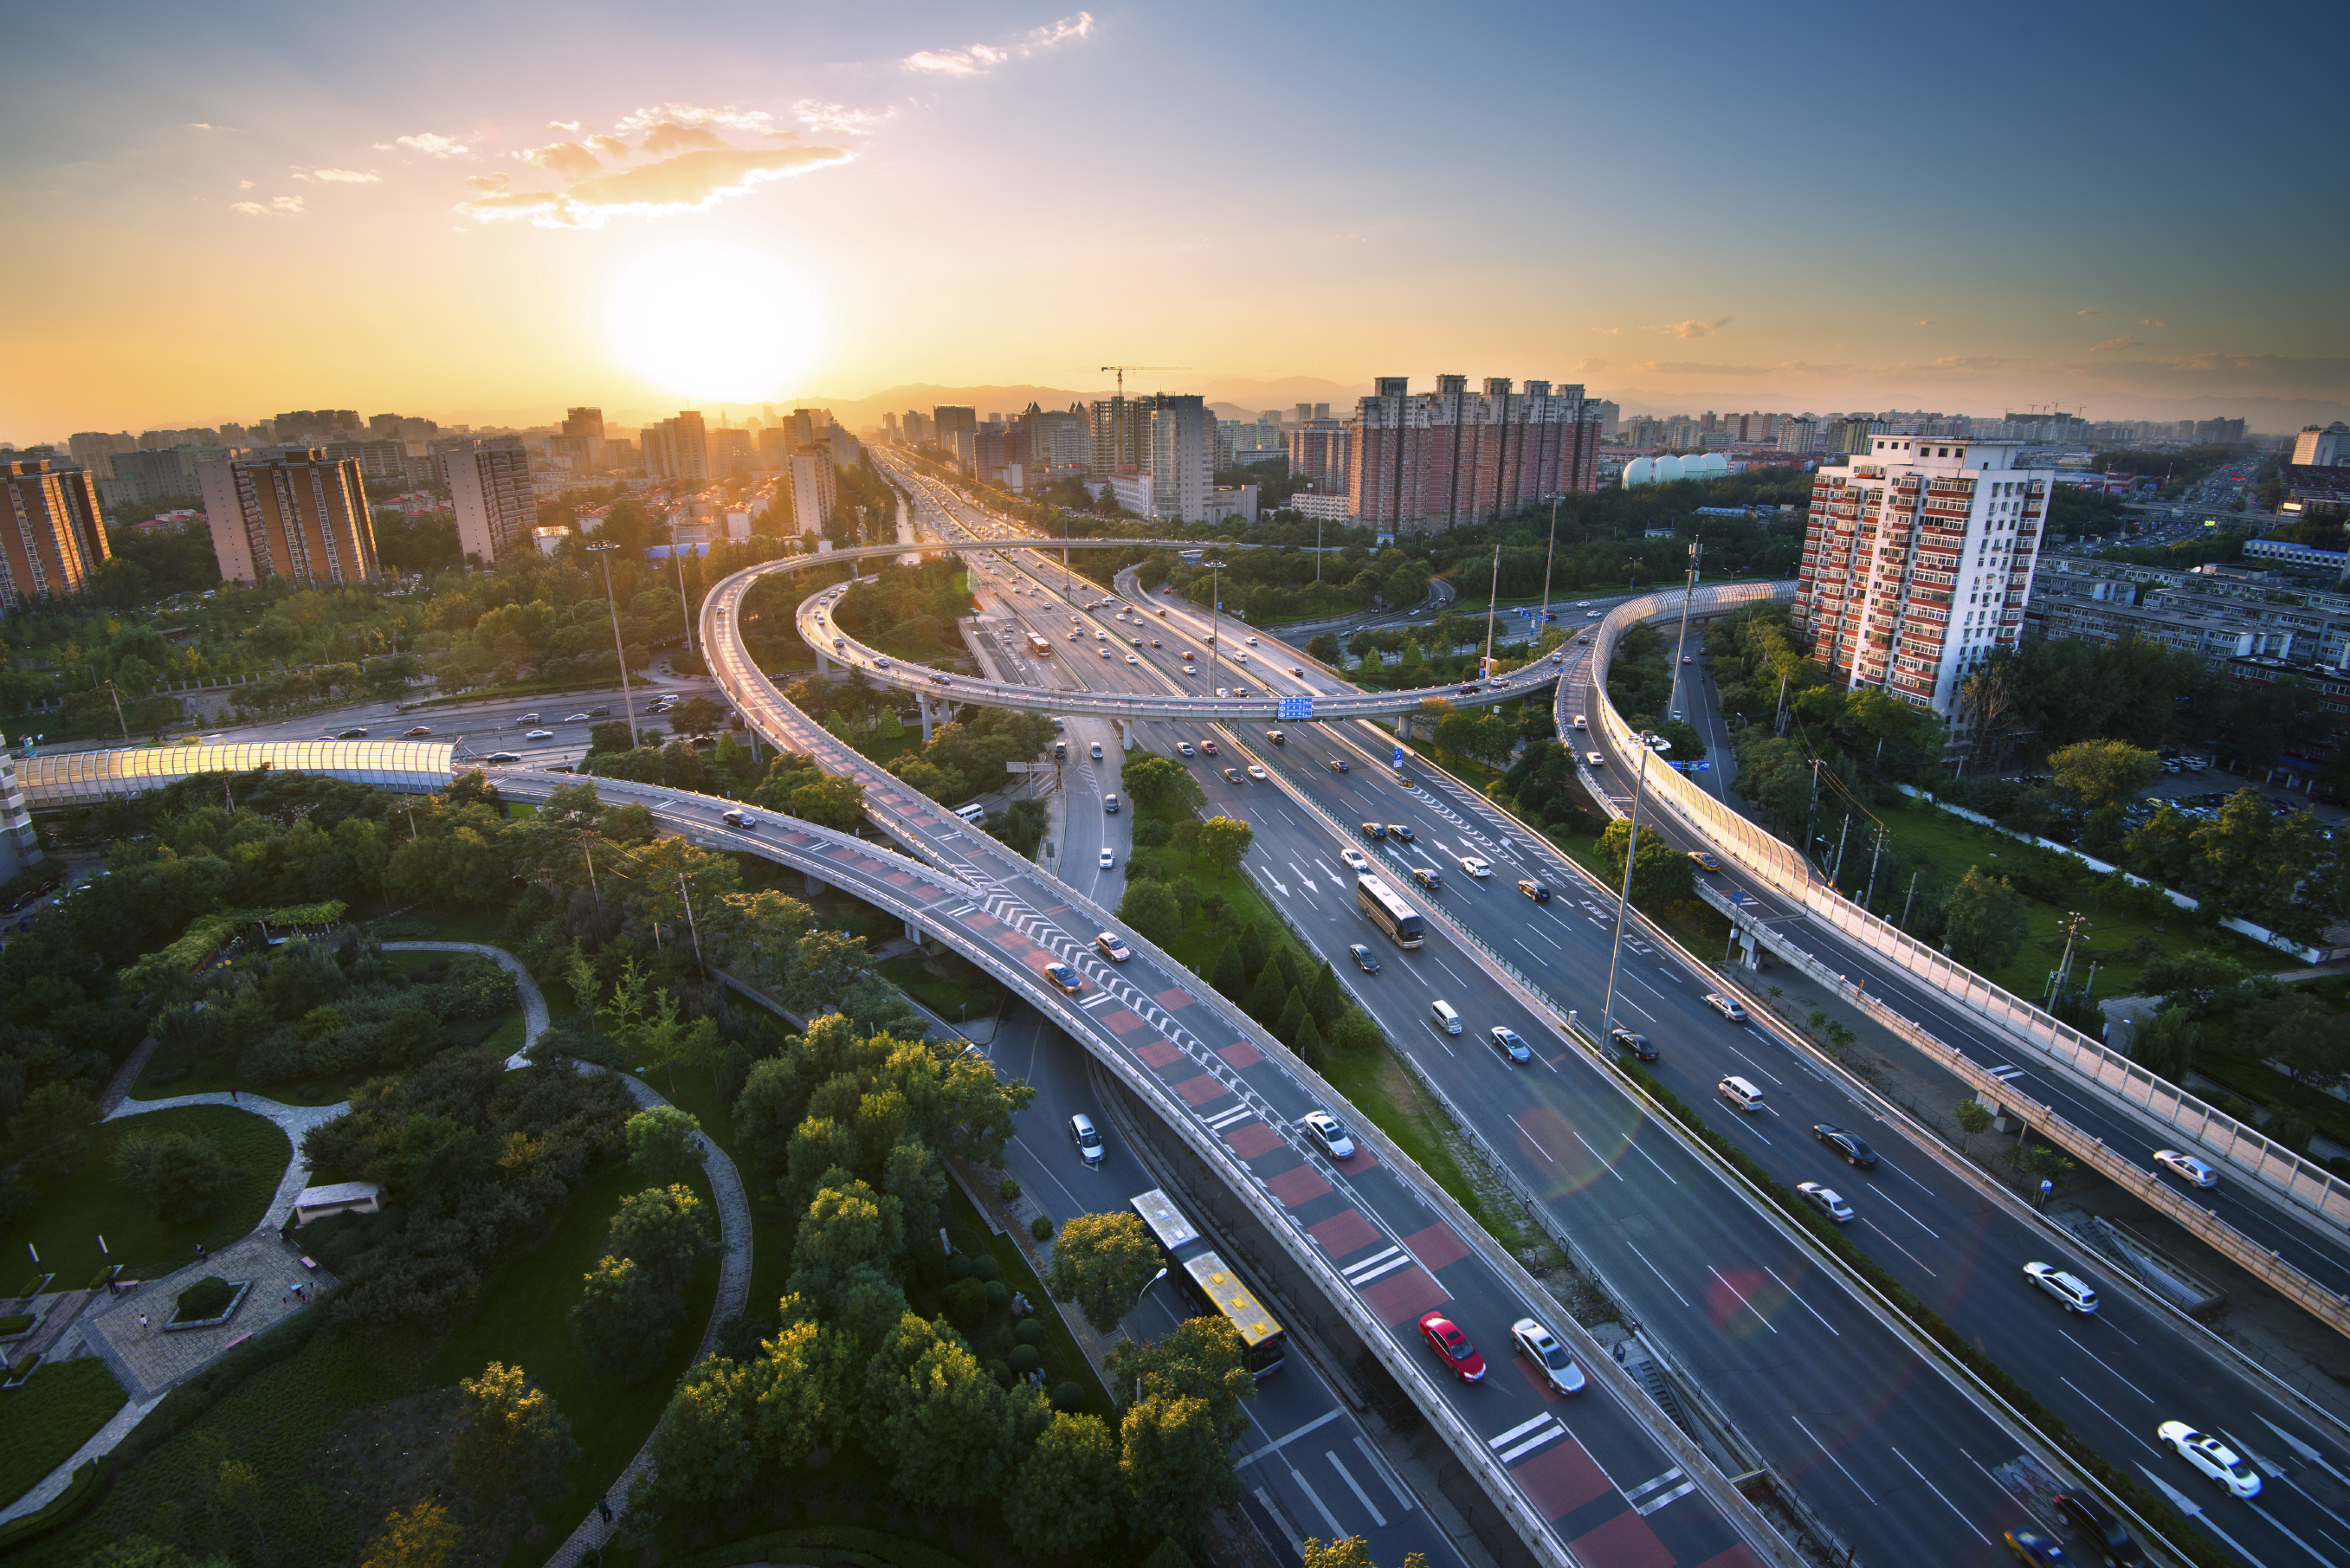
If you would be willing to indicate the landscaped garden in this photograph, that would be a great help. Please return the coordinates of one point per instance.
(57, 1410)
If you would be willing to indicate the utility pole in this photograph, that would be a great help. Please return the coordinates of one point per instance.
(1648, 742)
(1548, 553)
(119, 718)
(1874, 857)
(1837, 867)
(1778, 718)
(1215, 599)
(603, 552)
(2073, 921)
(686, 894)
(1492, 589)
(1680, 640)
(1907, 901)
(685, 606)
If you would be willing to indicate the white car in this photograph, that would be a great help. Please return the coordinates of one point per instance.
(1825, 1201)
(2212, 1457)
(1594, 759)
(1323, 1130)
(1251, 642)
(2072, 1291)
(1107, 859)
(1184, 747)
(1552, 1362)
(1130, 659)
(1355, 862)
(1191, 670)
(1103, 651)
(1257, 774)
(1111, 947)
(1725, 1006)
(2187, 1168)
(1476, 865)
(539, 734)
(577, 718)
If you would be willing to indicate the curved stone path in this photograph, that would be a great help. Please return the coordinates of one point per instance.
(732, 1204)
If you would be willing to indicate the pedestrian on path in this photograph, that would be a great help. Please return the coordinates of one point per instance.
(289, 1291)
(604, 1507)
(232, 1093)
(142, 1323)
(200, 1251)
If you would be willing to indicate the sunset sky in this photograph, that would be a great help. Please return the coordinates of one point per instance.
(484, 213)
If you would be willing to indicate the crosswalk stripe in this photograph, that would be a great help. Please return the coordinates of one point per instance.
(1511, 1456)
(1520, 1430)
(1646, 1486)
(1653, 1505)
(1390, 1267)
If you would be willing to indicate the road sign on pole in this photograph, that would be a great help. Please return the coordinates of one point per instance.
(1296, 708)
(1398, 764)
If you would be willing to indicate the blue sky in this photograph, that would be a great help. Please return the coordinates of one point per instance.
(245, 208)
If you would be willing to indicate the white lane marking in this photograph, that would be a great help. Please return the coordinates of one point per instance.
(1939, 1492)
(1644, 985)
(1604, 1163)
(1899, 1247)
(1403, 1498)
(1364, 1265)
(1390, 1267)
(1830, 1455)
(1442, 1039)
(1239, 1114)
(1356, 1487)
(1551, 1434)
(1098, 999)
(1521, 1430)
(1750, 1306)
(1930, 1230)
(1660, 1276)
(1800, 1302)
(1651, 1484)
(1319, 1506)
(1533, 1140)
(1637, 1008)
(1448, 968)
(1678, 1492)
(2107, 1365)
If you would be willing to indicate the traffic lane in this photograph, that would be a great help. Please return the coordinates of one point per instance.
(1707, 1274)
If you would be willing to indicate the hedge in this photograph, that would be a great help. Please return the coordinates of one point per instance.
(2155, 1510)
(88, 1484)
(849, 1545)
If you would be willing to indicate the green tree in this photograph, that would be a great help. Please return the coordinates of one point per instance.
(804, 1391)
(1199, 1358)
(1308, 1044)
(1356, 1034)
(53, 1129)
(1291, 1017)
(1153, 910)
(1103, 1262)
(1984, 921)
(1324, 646)
(1662, 874)
(1325, 998)
(177, 1176)
(1224, 840)
(1266, 996)
(610, 736)
(1974, 1120)
(701, 1451)
(664, 1144)
(1353, 1551)
(1177, 1465)
(1065, 1494)
(1256, 948)
(667, 1232)
(2103, 774)
(936, 1414)
(146, 1551)
(1161, 786)
(2165, 1044)
(824, 966)
(421, 1536)
(514, 1441)
(1229, 973)
(622, 1324)
(849, 1227)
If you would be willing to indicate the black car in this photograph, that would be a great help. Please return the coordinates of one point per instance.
(1363, 959)
(599, 712)
(2108, 1543)
(354, 733)
(1372, 830)
(1633, 1044)
(1537, 891)
(1399, 830)
(1338, 765)
(1854, 1152)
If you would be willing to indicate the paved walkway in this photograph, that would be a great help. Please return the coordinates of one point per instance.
(534, 1002)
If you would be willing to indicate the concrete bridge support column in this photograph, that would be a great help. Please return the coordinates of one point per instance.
(822, 662)
(1749, 953)
(814, 886)
(922, 705)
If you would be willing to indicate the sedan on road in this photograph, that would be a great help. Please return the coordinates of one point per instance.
(2187, 1168)
(1106, 861)
(1452, 1347)
(1068, 978)
(1357, 861)
(539, 735)
(2036, 1549)
(1476, 865)
(1825, 1201)
(1183, 748)
(413, 733)
(1507, 1042)
(1539, 892)
(1725, 1006)
(354, 733)
(574, 718)
(1633, 1044)
(1375, 831)
(1257, 774)
(1110, 946)
(1399, 830)
(1325, 1130)
(1552, 1363)
(2110, 1542)
(1854, 1152)
(1363, 959)
(1231, 775)
(1209, 747)
(1338, 765)
(2212, 1457)
(1705, 860)
(2072, 1291)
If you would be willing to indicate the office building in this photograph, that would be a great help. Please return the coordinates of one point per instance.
(490, 491)
(677, 450)
(301, 516)
(813, 494)
(1918, 563)
(587, 422)
(1611, 416)
(1853, 433)
(1060, 440)
(954, 427)
(1799, 434)
(305, 427)
(2317, 446)
(52, 533)
(1443, 459)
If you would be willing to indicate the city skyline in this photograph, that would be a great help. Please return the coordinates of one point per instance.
(838, 202)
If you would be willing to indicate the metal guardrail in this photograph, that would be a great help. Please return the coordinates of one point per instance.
(1777, 865)
(768, 708)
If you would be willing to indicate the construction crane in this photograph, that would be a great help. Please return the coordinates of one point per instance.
(1122, 370)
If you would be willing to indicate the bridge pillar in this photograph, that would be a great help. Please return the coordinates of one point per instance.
(1751, 954)
(923, 705)
(813, 885)
(914, 934)
(822, 662)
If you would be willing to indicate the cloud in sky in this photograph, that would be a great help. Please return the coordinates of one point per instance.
(2125, 341)
(565, 158)
(1688, 330)
(838, 118)
(610, 146)
(2150, 321)
(431, 144)
(690, 181)
(1927, 322)
(278, 207)
(665, 137)
(726, 115)
(338, 176)
(1607, 331)
(977, 59)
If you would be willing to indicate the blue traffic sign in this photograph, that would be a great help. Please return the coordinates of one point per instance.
(1296, 708)
(1398, 764)
(1701, 767)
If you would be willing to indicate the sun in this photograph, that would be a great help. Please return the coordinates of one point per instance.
(712, 324)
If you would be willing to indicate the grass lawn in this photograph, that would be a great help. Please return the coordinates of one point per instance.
(60, 1406)
(1948, 844)
(68, 1216)
(965, 991)
(521, 1322)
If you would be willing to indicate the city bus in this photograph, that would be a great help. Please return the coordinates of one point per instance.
(1038, 647)
(1399, 919)
(1210, 1285)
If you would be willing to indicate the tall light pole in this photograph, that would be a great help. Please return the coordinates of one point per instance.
(1215, 598)
(684, 608)
(603, 552)
(118, 711)
(1680, 640)
(1547, 554)
(1648, 742)
(1492, 590)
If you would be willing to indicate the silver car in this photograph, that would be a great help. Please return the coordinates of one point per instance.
(1325, 1130)
(1552, 1362)
(2072, 1293)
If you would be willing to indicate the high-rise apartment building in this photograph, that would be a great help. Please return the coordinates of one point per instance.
(1799, 434)
(490, 491)
(1611, 415)
(314, 425)
(2326, 446)
(1853, 433)
(1120, 435)
(731, 452)
(1443, 459)
(1182, 457)
(302, 517)
(955, 427)
(95, 450)
(52, 533)
(1322, 451)
(584, 422)
(677, 450)
(1918, 563)
(812, 493)
(1060, 440)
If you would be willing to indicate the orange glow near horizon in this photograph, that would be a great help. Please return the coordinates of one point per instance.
(714, 324)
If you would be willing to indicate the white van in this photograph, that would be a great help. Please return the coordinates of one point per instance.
(1446, 1019)
(1745, 1095)
(973, 814)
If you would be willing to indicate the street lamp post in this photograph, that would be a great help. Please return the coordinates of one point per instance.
(1648, 742)
(1548, 553)
(1492, 591)
(1215, 599)
(1680, 640)
(603, 552)
(118, 711)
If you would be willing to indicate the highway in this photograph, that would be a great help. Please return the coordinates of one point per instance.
(1567, 1472)
(1872, 1445)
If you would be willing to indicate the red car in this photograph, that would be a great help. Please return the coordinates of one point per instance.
(1452, 1347)
(1209, 747)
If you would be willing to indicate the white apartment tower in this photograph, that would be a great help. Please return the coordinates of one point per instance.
(814, 494)
(1917, 562)
(490, 491)
(1182, 459)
